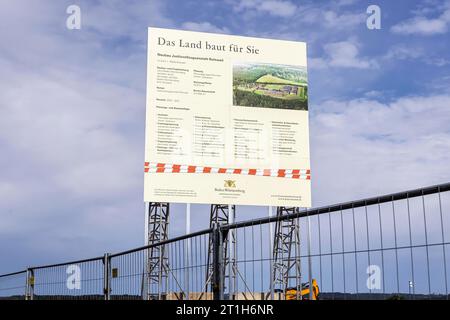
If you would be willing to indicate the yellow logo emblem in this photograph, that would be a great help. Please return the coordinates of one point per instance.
(230, 184)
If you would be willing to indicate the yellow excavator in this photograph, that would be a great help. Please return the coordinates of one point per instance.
(293, 294)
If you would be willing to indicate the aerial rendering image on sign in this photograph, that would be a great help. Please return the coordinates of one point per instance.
(270, 86)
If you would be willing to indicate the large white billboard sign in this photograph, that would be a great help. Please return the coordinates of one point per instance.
(226, 120)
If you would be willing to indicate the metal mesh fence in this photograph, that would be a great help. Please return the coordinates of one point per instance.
(388, 247)
(377, 249)
(81, 280)
(13, 285)
(178, 271)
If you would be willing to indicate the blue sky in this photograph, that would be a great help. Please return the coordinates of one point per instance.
(72, 106)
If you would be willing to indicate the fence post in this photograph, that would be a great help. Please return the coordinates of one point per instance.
(310, 277)
(218, 265)
(29, 286)
(106, 276)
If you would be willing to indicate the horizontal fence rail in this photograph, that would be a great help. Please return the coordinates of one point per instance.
(395, 246)
(13, 285)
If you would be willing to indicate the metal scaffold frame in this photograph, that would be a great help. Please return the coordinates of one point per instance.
(221, 214)
(158, 261)
(286, 269)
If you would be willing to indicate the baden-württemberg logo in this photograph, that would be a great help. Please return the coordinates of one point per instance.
(229, 183)
(230, 189)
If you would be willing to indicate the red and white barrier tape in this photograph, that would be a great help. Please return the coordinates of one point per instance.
(150, 167)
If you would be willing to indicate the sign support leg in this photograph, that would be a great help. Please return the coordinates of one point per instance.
(286, 248)
(188, 249)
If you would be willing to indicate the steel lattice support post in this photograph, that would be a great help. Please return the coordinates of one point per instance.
(286, 252)
(223, 214)
(157, 256)
(218, 270)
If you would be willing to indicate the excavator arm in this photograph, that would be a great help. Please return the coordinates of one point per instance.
(291, 293)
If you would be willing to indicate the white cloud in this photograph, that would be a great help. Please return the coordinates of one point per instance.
(65, 145)
(203, 27)
(439, 84)
(373, 94)
(438, 62)
(343, 54)
(9, 192)
(403, 52)
(342, 3)
(72, 106)
(363, 147)
(329, 18)
(317, 63)
(333, 20)
(280, 8)
(346, 54)
(422, 25)
(109, 19)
